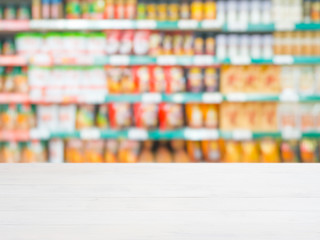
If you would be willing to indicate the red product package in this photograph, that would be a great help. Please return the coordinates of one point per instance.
(126, 43)
(109, 10)
(119, 9)
(130, 10)
(141, 42)
(171, 115)
(146, 115)
(120, 115)
(113, 41)
(158, 79)
(142, 78)
(175, 80)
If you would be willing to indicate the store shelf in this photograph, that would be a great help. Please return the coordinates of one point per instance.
(271, 27)
(83, 24)
(14, 135)
(142, 134)
(14, 25)
(13, 60)
(13, 98)
(158, 97)
(169, 60)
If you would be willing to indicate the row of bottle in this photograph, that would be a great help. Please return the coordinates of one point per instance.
(265, 46)
(124, 9)
(229, 116)
(116, 42)
(154, 43)
(74, 81)
(231, 11)
(270, 79)
(175, 151)
(268, 11)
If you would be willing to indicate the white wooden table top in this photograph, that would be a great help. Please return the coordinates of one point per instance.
(160, 201)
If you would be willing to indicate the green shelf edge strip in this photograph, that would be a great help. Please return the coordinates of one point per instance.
(184, 133)
(168, 25)
(203, 98)
(214, 98)
(201, 60)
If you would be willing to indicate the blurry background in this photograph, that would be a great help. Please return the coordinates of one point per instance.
(159, 81)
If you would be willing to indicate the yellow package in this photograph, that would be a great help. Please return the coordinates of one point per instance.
(75, 151)
(210, 112)
(250, 152)
(194, 115)
(232, 152)
(270, 151)
(94, 151)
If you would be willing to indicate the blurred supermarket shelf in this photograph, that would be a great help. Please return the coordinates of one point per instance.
(82, 24)
(170, 60)
(156, 98)
(194, 134)
(215, 97)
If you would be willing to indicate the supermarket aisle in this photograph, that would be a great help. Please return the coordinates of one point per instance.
(196, 201)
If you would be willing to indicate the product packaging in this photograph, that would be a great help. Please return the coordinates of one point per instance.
(171, 115)
(111, 151)
(146, 115)
(211, 151)
(120, 115)
(270, 152)
(85, 116)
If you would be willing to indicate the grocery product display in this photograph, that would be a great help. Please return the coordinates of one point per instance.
(135, 81)
(176, 151)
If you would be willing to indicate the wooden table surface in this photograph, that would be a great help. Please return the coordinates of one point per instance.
(160, 201)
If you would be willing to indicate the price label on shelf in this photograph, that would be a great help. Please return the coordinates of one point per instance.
(111, 24)
(242, 135)
(284, 26)
(40, 24)
(210, 134)
(194, 134)
(41, 134)
(89, 134)
(151, 97)
(119, 60)
(289, 97)
(177, 98)
(212, 98)
(291, 134)
(138, 134)
(203, 60)
(188, 24)
(92, 98)
(285, 59)
(240, 60)
(211, 24)
(76, 24)
(146, 24)
(237, 26)
(236, 97)
(167, 60)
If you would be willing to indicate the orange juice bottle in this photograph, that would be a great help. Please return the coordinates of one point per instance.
(197, 10)
(250, 152)
(232, 152)
(210, 9)
(270, 151)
